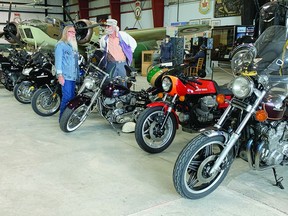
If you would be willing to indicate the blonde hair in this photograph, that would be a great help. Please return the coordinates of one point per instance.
(65, 38)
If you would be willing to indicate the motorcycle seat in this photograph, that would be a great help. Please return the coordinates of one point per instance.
(222, 89)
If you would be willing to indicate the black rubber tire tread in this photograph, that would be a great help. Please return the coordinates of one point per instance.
(182, 162)
(15, 92)
(34, 102)
(68, 112)
(138, 130)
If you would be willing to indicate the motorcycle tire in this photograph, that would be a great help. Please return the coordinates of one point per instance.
(147, 130)
(191, 170)
(45, 103)
(71, 118)
(23, 92)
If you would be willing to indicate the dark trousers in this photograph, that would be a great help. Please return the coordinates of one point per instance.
(68, 93)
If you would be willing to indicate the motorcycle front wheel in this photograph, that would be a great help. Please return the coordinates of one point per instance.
(191, 175)
(148, 132)
(71, 118)
(45, 103)
(23, 92)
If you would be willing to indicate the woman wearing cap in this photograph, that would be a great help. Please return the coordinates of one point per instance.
(119, 47)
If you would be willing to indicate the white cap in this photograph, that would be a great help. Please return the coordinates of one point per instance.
(111, 22)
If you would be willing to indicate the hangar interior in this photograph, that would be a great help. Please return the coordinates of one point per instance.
(110, 152)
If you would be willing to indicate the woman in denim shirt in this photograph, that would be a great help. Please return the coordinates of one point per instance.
(66, 63)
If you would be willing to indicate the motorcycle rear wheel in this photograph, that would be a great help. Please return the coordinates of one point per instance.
(191, 171)
(23, 92)
(71, 118)
(148, 135)
(45, 103)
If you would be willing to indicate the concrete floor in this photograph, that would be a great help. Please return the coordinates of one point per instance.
(93, 171)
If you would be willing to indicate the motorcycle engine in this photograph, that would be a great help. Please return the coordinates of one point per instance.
(118, 107)
(276, 142)
(203, 110)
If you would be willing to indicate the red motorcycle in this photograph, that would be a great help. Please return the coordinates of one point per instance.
(188, 101)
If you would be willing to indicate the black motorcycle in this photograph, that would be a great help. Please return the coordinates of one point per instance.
(12, 66)
(37, 72)
(113, 100)
(46, 100)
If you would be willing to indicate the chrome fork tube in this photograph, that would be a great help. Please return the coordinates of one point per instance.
(235, 135)
(95, 96)
(168, 111)
(223, 117)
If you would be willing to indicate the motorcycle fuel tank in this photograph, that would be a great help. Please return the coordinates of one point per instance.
(115, 90)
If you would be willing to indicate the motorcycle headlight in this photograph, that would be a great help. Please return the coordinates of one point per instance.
(166, 84)
(89, 82)
(242, 87)
(26, 71)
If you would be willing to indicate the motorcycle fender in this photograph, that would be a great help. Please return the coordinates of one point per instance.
(78, 101)
(22, 78)
(214, 132)
(165, 106)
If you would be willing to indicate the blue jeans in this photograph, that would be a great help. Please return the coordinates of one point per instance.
(116, 69)
(68, 93)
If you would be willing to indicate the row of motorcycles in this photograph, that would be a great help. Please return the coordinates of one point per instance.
(246, 117)
(31, 77)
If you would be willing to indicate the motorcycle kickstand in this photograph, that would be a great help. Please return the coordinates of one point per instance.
(117, 131)
(279, 180)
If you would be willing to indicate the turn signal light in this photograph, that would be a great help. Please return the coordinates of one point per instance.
(261, 115)
(220, 98)
(160, 95)
(181, 98)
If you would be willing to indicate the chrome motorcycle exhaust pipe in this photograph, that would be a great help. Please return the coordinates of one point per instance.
(249, 154)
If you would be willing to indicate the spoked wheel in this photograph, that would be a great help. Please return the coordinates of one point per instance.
(71, 119)
(149, 133)
(45, 103)
(191, 175)
(23, 92)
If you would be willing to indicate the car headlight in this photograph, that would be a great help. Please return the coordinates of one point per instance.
(242, 87)
(166, 84)
(89, 82)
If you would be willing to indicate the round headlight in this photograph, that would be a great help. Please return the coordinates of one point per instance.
(241, 87)
(89, 82)
(166, 84)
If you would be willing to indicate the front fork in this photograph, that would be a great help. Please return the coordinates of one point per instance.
(236, 134)
(168, 111)
(93, 99)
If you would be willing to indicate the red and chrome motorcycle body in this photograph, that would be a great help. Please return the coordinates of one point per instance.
(189, 102)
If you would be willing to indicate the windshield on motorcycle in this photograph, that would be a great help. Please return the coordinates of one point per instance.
(270, 47)
(272, 59)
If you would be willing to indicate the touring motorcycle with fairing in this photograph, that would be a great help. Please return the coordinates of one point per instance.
(38, 71)
(46, 100)
(114, 100)
(254, 125)
(189, 102)
(12, 66)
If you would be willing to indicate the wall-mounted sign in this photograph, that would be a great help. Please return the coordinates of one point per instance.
(137, 10)
(204, 6)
